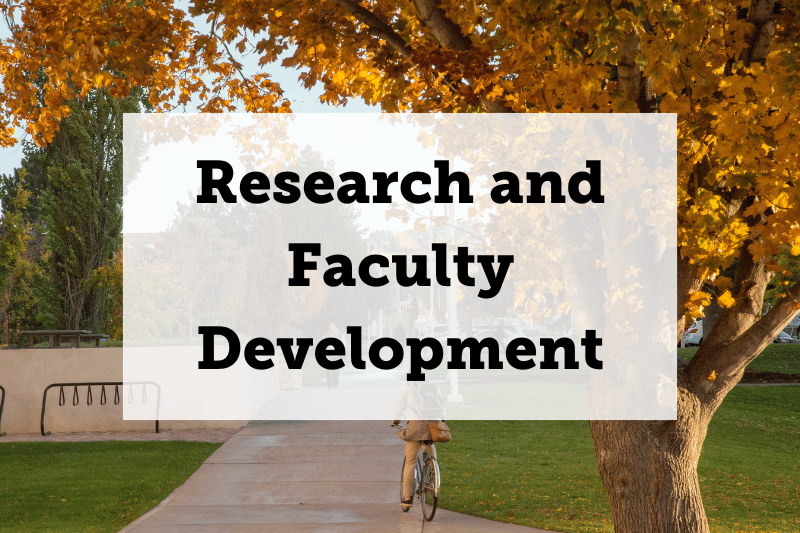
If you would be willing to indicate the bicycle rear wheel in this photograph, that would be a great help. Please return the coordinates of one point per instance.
(430, 488)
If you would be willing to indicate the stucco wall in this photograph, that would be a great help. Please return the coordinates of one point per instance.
(26, 373)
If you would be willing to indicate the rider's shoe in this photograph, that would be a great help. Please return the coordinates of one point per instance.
(406, 504)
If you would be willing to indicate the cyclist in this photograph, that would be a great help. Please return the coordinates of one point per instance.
(422, 403)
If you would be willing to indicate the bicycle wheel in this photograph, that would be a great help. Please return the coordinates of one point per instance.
(430, 488)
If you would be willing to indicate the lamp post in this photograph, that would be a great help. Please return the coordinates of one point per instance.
(431, 207)
(452, 322)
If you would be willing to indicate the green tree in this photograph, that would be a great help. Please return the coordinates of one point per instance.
(80, 208)
(14, 228)
(789, 271)
(14, 237)
(334, 225)
(109, 277)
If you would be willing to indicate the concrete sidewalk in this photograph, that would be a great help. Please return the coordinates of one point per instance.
(304, 477)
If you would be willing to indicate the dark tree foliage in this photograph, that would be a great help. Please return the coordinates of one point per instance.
(76, 201)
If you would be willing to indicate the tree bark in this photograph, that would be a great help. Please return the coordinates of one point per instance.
(449, 36)
(649, 469)
(689, 282)
(446, 33)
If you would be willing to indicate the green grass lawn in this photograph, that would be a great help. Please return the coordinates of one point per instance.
(784, 358)
(543, 474)
(86, 487)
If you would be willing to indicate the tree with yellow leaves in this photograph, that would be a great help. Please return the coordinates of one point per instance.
(730, 72)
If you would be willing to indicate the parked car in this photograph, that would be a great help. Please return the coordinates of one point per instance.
(511, 331)
(694, 335)
(785, 338)
(438, 330)
(509, 327)
(493, 333)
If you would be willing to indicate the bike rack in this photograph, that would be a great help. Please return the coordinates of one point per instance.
(2, 404)
(62, 400)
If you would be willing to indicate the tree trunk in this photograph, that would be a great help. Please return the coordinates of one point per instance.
(649, 469)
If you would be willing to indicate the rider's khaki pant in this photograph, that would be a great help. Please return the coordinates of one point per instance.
(412, 451)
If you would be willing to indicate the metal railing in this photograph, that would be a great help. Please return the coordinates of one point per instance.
(2, 404)
(62, 399)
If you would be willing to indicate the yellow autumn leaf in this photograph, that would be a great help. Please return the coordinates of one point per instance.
(726, 300)
(723, 283)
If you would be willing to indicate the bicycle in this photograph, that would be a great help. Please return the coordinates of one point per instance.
(427, 481)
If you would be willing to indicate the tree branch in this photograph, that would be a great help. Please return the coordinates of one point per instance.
(448, 35)
(689, 281)
(628, 74)
(384, 31)
(637, 88)
(731, 359)
(445, 31)
(377, 27)
(741, 333)
(760, 15)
